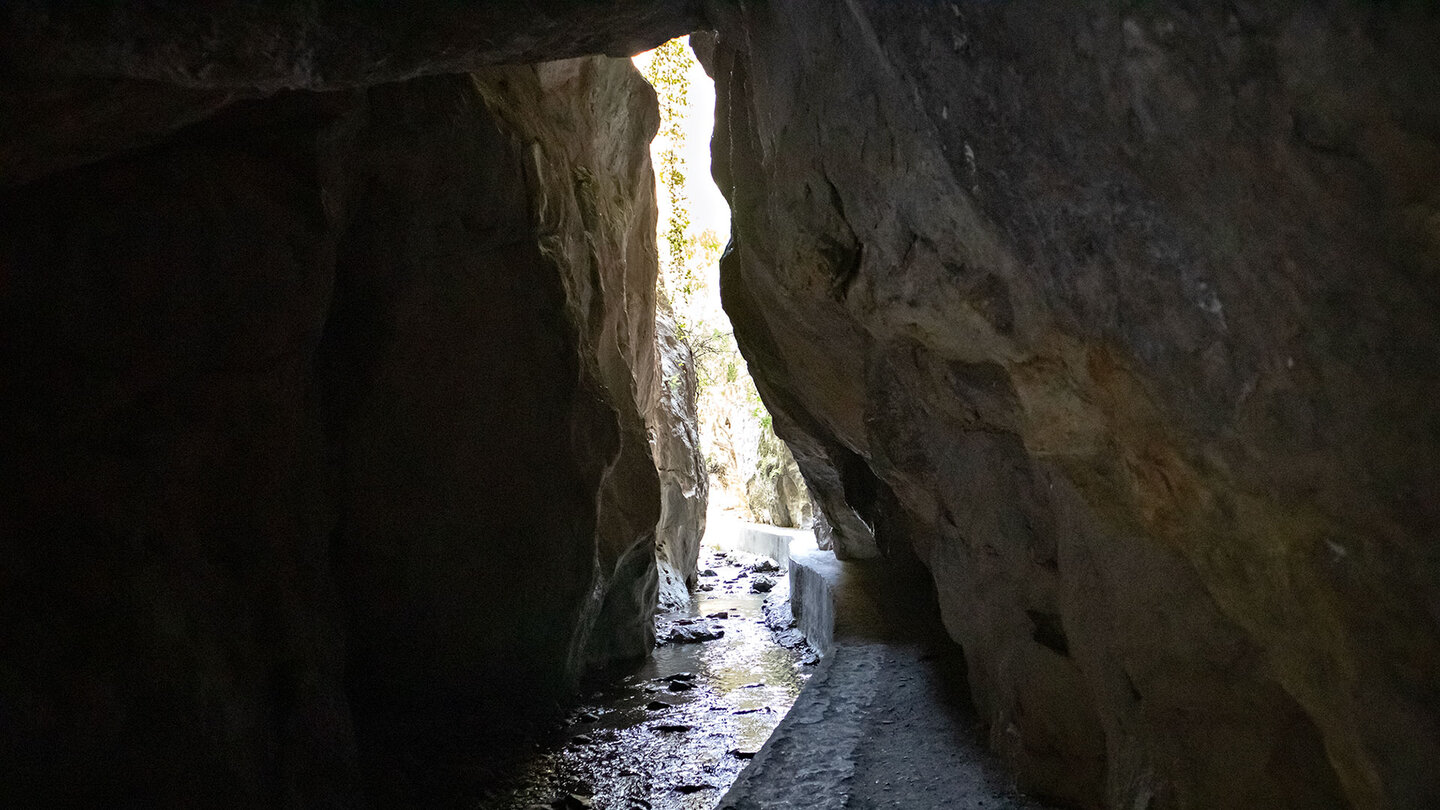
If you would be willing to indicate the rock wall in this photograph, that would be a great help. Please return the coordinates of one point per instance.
(776, 493)
(169, 633)
(1121, 319)
(496, 297)
(684, 482)
(324, 443)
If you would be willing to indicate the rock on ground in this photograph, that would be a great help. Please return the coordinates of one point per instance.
(690, 634)
(763, 565)
(1122, 319)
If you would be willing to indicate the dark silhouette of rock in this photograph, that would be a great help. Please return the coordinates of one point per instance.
(327, 444)
(518, 455)
(83, 80)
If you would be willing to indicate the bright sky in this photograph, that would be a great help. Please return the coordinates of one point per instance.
(708, 209)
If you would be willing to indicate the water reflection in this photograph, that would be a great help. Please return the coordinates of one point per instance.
(674, 735)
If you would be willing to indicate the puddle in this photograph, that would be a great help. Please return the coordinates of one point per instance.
(676, 733)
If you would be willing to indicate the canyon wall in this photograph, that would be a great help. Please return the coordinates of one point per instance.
(495, 298)
(776, 493)
(684, 482)
(325, 439)
(331, 407)
(1122, 318)
(170, 630)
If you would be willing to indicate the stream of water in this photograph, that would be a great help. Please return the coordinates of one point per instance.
(676, 733)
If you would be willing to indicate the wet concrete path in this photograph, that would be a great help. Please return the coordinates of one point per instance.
(885, 723)
(675, 734)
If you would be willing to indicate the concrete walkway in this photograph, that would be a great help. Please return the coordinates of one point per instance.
(880, 725)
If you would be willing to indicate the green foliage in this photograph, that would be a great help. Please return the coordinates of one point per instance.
(668, 73)
(737, 434)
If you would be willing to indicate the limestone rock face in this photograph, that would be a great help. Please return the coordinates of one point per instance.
(776, 494)
(1121, 319)
(324, 444)
(581, 121)
(684, 483)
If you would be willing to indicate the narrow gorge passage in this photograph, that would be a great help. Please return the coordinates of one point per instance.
(674, 734)
(345, 434)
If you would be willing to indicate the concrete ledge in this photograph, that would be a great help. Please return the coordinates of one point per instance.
(878, 725)
(813, 575)
(772, 541)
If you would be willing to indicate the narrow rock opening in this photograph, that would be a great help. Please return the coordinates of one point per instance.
(752, 473)
(728, 662)
(339, 441)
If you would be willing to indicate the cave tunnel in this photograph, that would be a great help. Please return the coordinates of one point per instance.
(1101, 338)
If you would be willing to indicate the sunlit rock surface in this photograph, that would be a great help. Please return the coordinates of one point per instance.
(684, 484)
(776, 494)
(1122, 319)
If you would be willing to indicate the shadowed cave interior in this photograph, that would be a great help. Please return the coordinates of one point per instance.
(340, 440)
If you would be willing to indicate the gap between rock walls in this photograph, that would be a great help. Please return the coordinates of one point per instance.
(364, 392)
